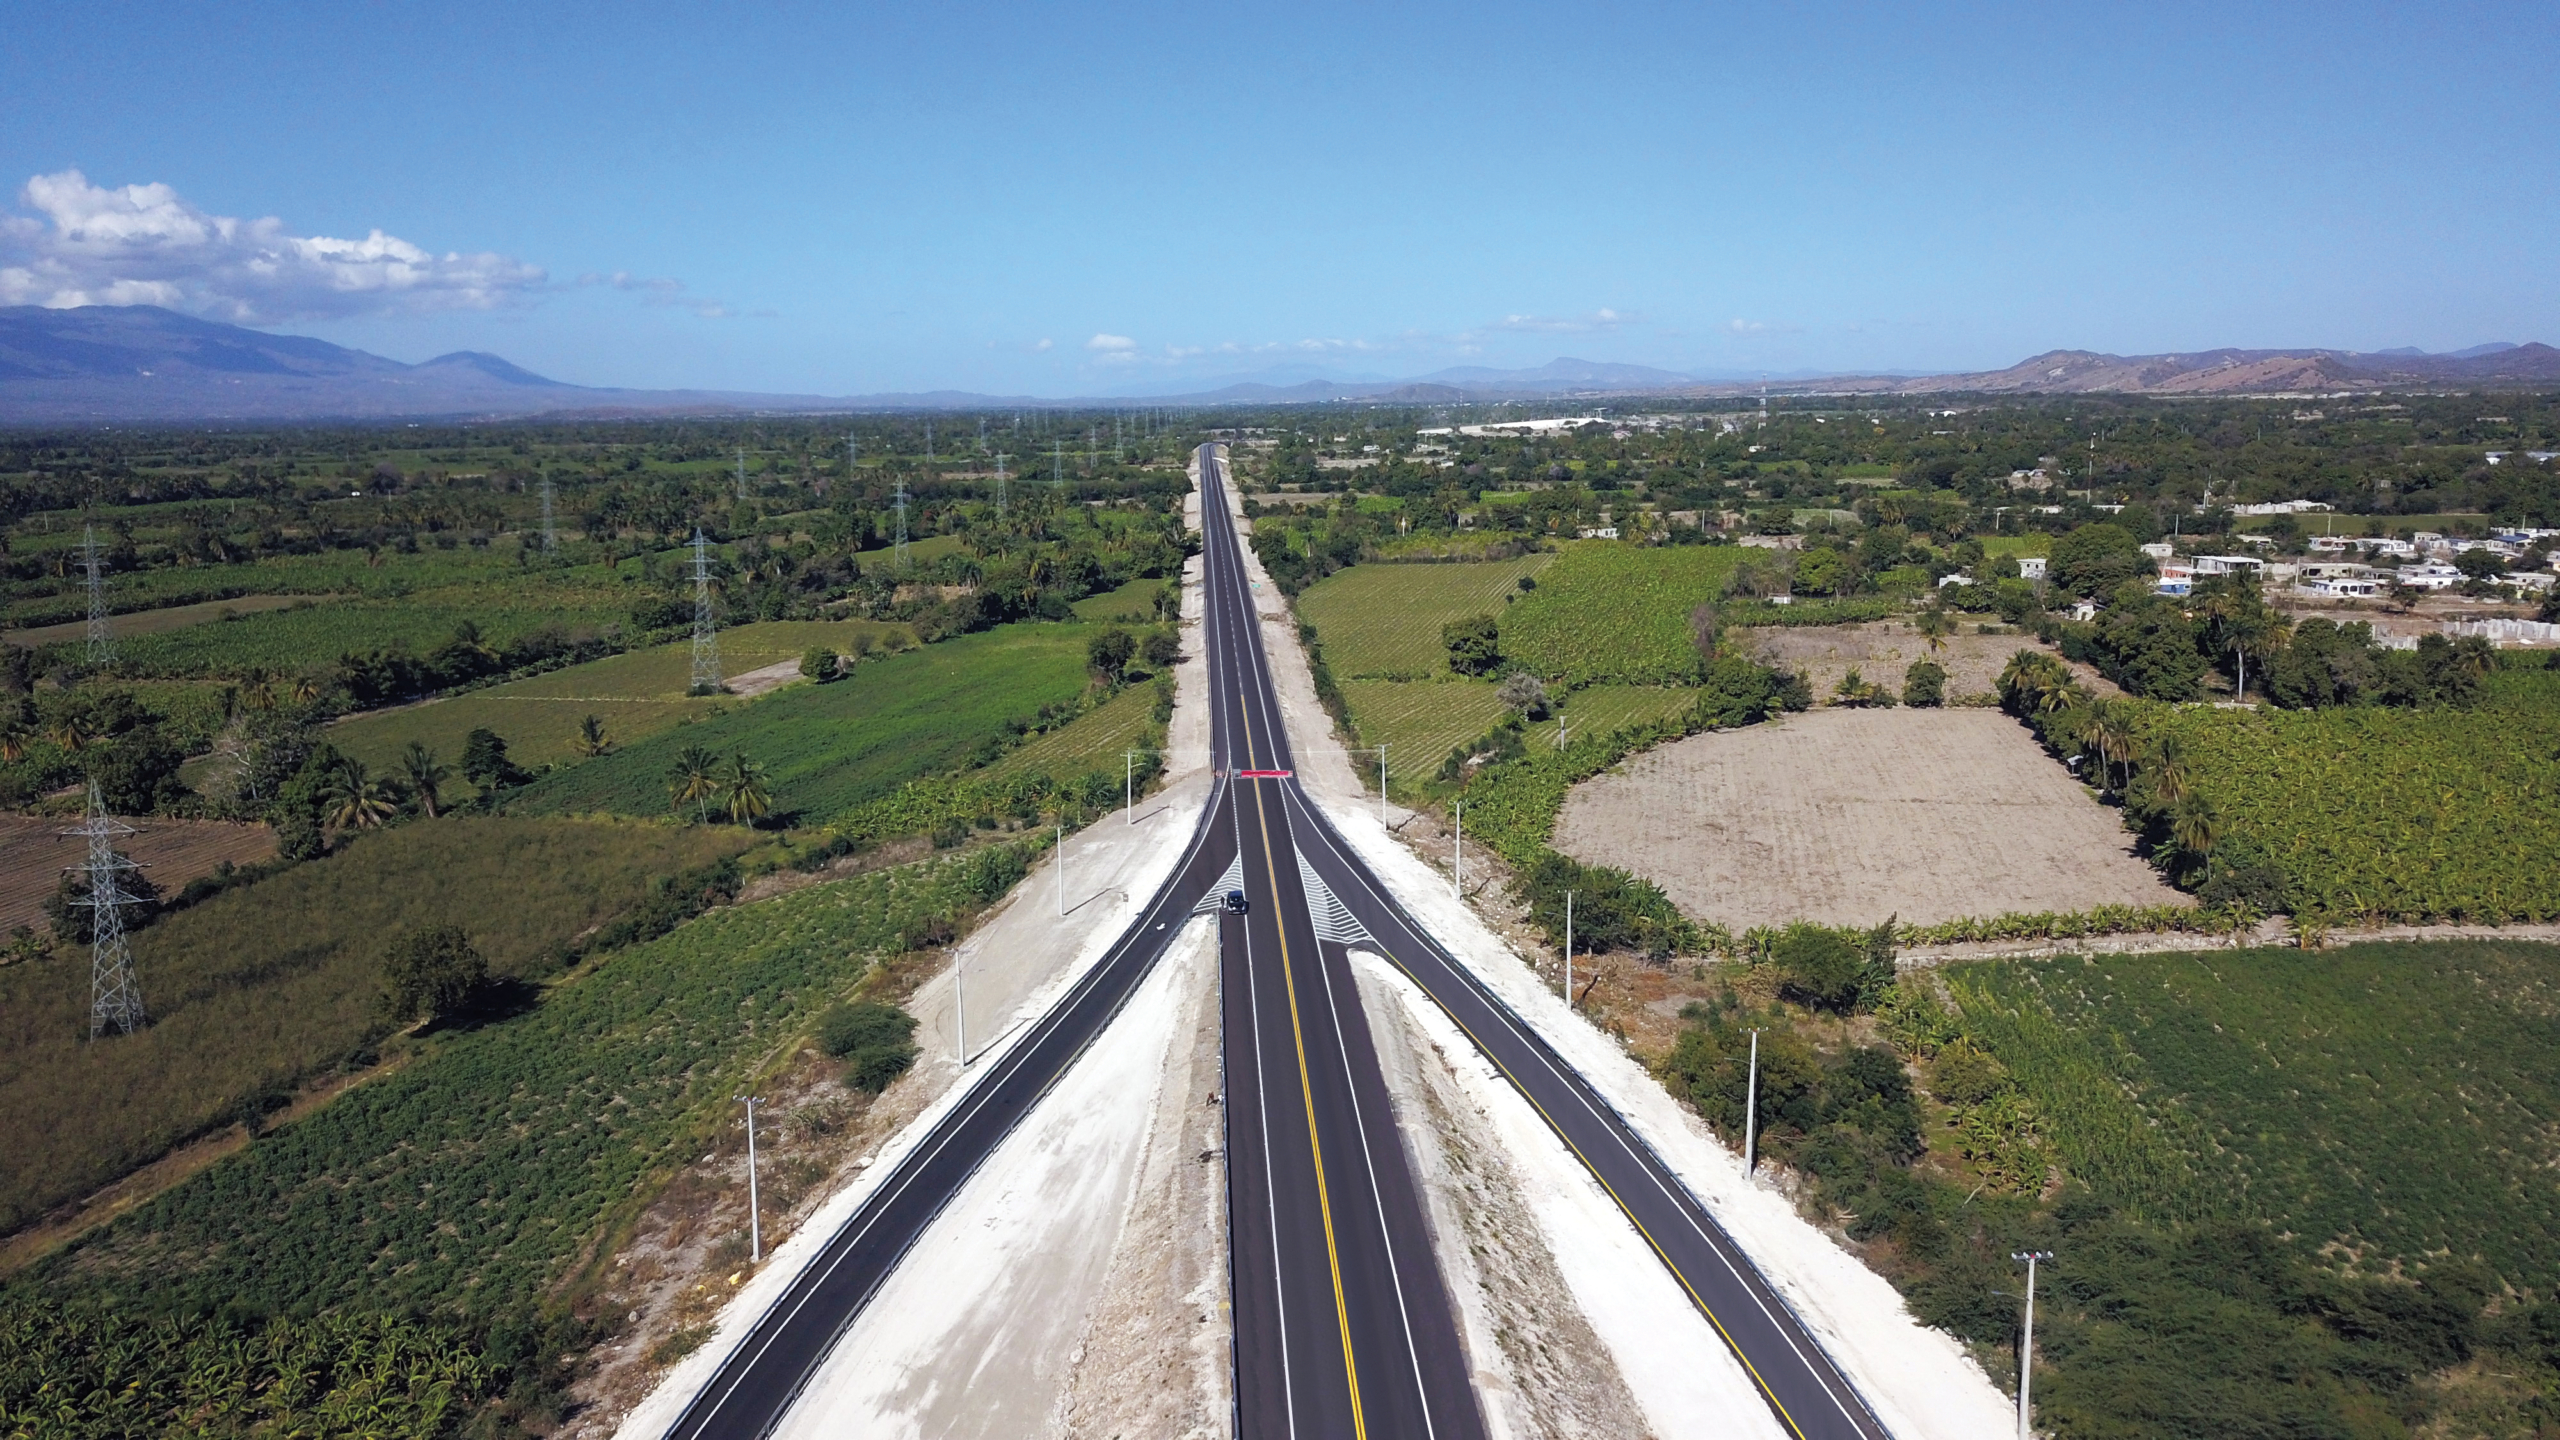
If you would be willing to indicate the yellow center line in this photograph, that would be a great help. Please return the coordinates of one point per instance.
(1306, 1089)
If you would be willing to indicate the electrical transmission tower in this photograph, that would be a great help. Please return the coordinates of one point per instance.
(115, 1001)
(101, 649)
(742, 472)
(901, 507)
(1058, 462)
(550, 535)
(1000, 486)
(706, 635)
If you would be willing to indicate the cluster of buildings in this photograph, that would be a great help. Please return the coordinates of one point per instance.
(2361, 567)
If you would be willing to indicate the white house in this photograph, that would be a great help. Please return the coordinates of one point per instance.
(2229, 565)
(2030, 567)
(2430, 576)
(2175, 579)
(2159, 550)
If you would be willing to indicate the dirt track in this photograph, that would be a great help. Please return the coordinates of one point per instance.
(1850, 816)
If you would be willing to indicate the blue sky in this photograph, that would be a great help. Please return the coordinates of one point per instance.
(1077, 200)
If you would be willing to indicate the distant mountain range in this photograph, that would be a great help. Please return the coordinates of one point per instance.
(141, 364)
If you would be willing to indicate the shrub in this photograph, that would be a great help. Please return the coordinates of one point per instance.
(1821, 968)
(1474, 644)
(433, 972)
(1924, 684)
(1523, 692)
(875, 1041)
(821, 664)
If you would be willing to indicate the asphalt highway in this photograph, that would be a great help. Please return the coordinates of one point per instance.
(1342, 1325)
(1807, 1392)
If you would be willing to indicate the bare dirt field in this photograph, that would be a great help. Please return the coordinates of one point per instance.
(1882, 650)
(1851, 816)
(33, 852)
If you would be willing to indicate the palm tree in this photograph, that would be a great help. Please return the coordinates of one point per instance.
(306, 688)
(13, 736)
(70, 731)
(1934, 626)
(355, 800)
(745, 793)
(426, 776)
(2194, 827)
(2167, 764)
(591, 740)
(2106, 734)
(692, 780)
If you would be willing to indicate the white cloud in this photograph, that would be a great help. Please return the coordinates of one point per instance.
(143, 245)
(1045, 344)
(1598, 321)
(663, 290)
(1111, 343)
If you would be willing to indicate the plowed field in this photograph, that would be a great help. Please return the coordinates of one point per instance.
(1850, 816)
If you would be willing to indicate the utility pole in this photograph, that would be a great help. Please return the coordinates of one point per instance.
(755, 1211)
(2027, 1337)
(1751, 1112)
(101, 650)
(114, 999)
(1062, 868)
(550, 535)
(1382, 782)
(706, 637)
(1458, 858)
(1568, 949)
(960, 1003)
(1129, 785)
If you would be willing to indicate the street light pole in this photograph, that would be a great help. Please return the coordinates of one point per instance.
(1062, 868)
(1751, 1111)
(1568, 949)
(960, 1003)
(2027, 1337)
(1129, 785)
(755, 1211)
(1382, 783)
(1458, 866)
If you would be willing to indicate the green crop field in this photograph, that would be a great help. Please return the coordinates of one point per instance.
(153, 622)
(1418, 721)
(830, 748)
(468, 1180)
(262, 986)
(1383, 621)
(636, 695)
(2389, 1102)
(1135, 601)
(1094, 741)
(2422, 815)
(1612, 613)
(1604, 708)
(306, 637)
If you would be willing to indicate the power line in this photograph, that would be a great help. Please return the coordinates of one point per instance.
(706, 636)
(115, 1000)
